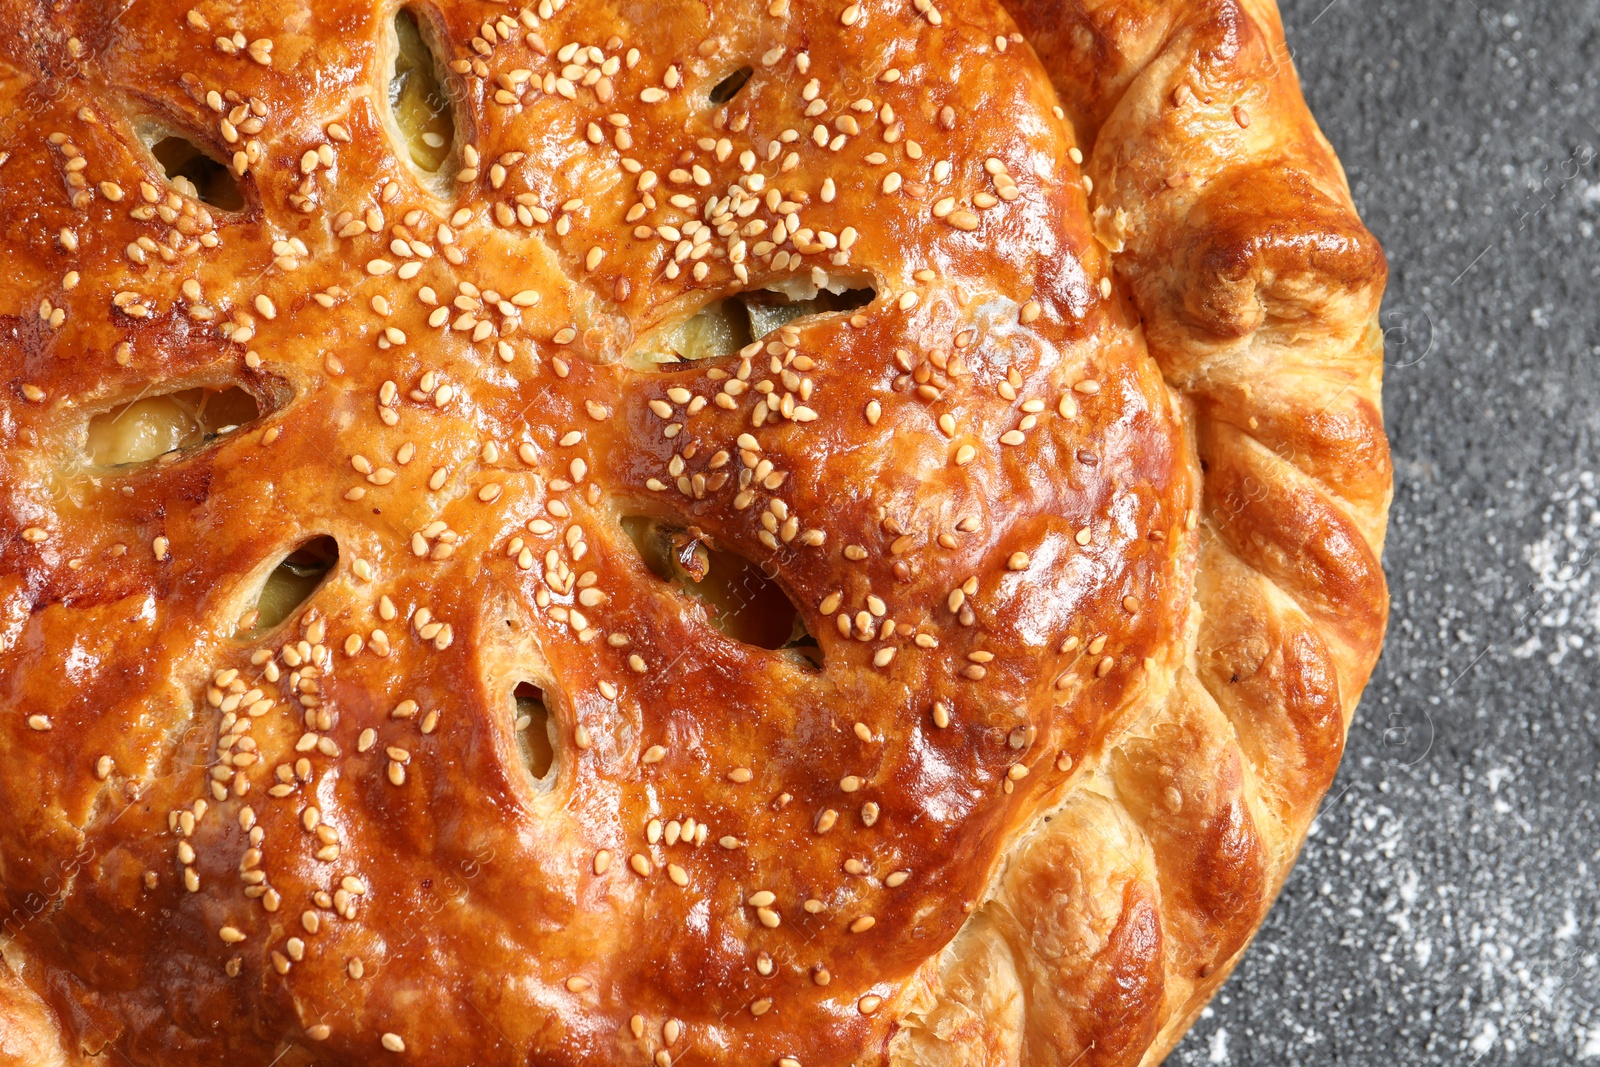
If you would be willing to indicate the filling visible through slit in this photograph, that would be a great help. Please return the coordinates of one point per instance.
(153, 426)
(533, 729)
(739, 598)
(729, 87)
(290, 584)
(723, 327)
(194, 173)
(417, 98)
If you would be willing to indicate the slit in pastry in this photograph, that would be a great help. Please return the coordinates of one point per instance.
(417, 98)
(533, 730)
(291, 583)
(194, 173)
(723, 327)
(739, 598)
(155, 426)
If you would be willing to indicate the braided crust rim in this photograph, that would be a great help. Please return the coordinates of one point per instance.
(1232, 224)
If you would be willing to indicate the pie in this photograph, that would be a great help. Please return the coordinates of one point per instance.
(621, 533)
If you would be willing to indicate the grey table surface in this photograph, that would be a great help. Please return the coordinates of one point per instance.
(1446, 908)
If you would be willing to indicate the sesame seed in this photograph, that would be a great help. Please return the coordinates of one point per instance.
(394, 1043)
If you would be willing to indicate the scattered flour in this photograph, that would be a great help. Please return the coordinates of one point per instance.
(1565, 614)
(1486, 1037)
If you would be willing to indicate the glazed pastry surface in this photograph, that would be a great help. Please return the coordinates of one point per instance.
(731, 533)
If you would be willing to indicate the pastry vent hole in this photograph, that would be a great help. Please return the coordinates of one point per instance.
(721, 328)
(155, 427)
(418, 100)
(195, 173)
(533, 729)
(740, 597)
(292, 582)
(729, 87)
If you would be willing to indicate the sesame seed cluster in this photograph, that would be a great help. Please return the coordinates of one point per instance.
(498, 785)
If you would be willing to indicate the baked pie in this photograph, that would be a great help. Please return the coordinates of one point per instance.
(620, 533)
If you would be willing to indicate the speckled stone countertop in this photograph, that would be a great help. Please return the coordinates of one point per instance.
(1446, 909)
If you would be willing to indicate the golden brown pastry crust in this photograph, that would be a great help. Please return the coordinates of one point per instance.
(1090, 644)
